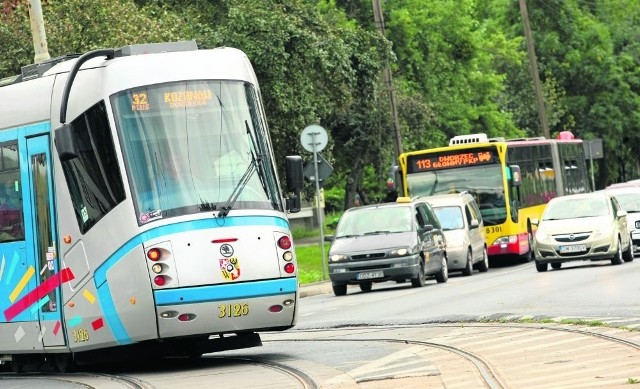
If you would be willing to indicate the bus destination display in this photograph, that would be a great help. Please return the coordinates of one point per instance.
(448, 160)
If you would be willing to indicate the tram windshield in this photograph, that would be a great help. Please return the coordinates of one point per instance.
(484, 183)
(195, 146)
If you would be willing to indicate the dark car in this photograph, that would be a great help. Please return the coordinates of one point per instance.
(387, 242)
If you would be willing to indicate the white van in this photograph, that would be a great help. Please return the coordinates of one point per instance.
(462, 225)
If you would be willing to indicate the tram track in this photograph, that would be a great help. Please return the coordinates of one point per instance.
(305, 380)
(487, 371)
(85, 380)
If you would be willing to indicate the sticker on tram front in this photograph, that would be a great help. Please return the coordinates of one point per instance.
(230, 268)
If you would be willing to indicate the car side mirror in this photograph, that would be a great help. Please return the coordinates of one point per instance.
(474, 223)
(328, 238)
(621, 213)
(426, 228)
(535, 221)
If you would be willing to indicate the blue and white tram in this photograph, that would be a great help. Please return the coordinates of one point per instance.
(153, 219)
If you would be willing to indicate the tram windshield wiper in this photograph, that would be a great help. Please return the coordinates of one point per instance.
(224, 211)
(257, 159)
(254, 166)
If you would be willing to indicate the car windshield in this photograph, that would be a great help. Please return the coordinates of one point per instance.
(450, 217)
(630, 202)
(572, 208)
(484, 183)
(375, 220)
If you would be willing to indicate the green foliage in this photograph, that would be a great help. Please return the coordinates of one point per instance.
(321, 61)
(310, 263)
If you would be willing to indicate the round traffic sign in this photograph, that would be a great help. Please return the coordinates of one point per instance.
(314, 138)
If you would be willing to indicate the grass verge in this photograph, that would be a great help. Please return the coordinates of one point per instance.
(310, 263)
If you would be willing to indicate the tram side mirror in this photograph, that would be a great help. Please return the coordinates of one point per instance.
(513, 175)
(294, 177)
(65, 145)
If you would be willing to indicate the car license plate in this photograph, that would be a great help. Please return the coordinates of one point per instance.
(369, 275)
(577, 248)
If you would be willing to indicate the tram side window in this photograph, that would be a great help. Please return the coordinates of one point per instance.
(11, 220)
(94, 178)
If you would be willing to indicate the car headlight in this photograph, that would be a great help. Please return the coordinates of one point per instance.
(541, 235)
(402, 252)
(337, 257)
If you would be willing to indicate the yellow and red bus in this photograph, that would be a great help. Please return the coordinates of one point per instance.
(511, 180)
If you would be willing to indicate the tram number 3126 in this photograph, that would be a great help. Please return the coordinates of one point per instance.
(80, 335)
(232, 310)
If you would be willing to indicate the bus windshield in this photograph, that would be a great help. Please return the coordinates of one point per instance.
(188, 145)
(484, 183)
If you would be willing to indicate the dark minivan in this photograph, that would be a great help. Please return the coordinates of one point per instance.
(387, 242)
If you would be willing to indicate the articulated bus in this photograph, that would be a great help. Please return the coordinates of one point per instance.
(511, 180)
(153, 220)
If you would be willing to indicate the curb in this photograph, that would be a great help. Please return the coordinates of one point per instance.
(314, 289)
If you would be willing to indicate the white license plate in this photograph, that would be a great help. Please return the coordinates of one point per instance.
(577, 248)
(369, 275)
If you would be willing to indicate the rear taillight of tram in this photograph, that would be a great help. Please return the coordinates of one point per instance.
(161, 265)
(286, 254)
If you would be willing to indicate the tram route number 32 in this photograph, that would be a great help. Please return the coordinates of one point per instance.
(232, 310)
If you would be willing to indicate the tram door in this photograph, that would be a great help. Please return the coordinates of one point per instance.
(44, 237)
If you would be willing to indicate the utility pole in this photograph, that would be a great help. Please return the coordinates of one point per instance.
(379, 19)
(533, 62)
(37, 32)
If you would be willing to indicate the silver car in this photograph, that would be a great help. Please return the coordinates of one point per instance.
(629, 199)
(582, 227)
(463, 229)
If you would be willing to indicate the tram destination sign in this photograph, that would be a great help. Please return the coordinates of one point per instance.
(451, 159)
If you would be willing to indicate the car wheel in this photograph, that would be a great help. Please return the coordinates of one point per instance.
(617, 258)
(556, 265)
(529, 256)
(365, 287)
(418, 282)
(483, 266)
(628, 253)
(541, 266)
(443, 274)
(468, 269)
(339, 290)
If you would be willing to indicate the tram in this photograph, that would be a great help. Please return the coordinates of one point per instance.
(153, 219)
